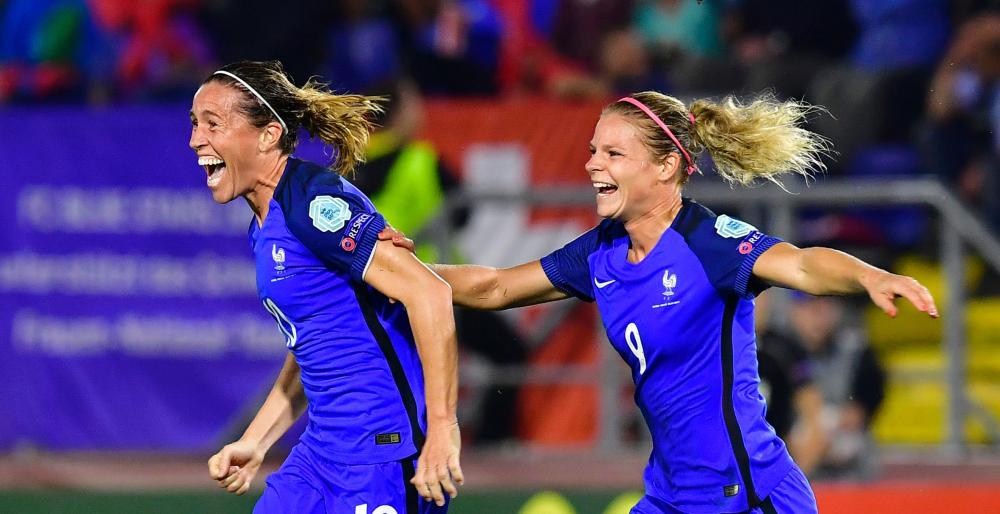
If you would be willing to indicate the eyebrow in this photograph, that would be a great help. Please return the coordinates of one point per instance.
(204, 112)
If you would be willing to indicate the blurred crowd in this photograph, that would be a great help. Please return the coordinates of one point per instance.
(911, 84)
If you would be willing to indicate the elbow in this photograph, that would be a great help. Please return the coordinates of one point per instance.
(432, 290)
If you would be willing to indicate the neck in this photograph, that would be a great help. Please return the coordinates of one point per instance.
(645, 230)
(260, 196)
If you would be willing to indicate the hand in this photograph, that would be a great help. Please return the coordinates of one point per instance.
(235, 466)
(438, 467)
(884, 287)
(398, 238)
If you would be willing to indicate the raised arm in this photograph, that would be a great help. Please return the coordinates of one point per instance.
(822, 271)
(236, 464)
(486, 288)
(398, 274)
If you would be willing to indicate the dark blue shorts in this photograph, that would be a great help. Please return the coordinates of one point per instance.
(308, 484)
(793, 495)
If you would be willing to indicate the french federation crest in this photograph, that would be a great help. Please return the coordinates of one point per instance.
(329, 214)
(731, 227)
(669, 283)
(278, 254)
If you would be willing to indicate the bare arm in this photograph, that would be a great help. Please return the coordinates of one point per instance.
(237, 463)
(822, 271)
(486, 288)
(397, 273)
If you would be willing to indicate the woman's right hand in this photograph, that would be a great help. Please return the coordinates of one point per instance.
(236, 465)
(398, 238)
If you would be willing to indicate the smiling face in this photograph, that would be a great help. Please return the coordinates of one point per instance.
(626, 176)
(227, 144)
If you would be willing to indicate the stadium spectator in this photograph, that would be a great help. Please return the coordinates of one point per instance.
(360, 361)
(675, 283)
(52, 50)
(852, 383)
(784, 43)
(159, 46)
(794, 400)
(679, 27)
(962, 141)
(456, 48)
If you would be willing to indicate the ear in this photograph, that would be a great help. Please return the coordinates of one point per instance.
(670, 167)
(269, 137)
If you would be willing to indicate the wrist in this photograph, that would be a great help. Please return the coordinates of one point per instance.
(441, 421)
(869, 276)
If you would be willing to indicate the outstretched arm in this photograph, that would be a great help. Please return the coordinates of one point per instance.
(236, 464)
(398, 274)
(822, 271)
(486, 288)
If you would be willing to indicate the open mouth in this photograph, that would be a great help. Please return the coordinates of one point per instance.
(215, 168)
(604, 189)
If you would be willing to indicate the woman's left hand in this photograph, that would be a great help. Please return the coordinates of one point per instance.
(883, 288)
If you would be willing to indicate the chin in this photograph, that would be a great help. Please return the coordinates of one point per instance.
(221, 198)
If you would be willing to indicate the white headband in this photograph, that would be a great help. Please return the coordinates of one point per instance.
(258, 95)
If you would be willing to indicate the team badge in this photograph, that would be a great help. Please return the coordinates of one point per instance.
(669, 283)
(278, 254)
(329, 214)
(731, 227)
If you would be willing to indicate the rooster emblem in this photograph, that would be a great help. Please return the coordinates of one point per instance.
(278, 254)
(669, 282)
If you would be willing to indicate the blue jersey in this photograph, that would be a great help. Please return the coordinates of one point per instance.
(360, 367)
(682, 318)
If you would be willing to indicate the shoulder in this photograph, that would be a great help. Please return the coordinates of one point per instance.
(698, 223)
(309, 190)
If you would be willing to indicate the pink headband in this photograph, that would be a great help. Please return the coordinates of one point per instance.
(654, 117)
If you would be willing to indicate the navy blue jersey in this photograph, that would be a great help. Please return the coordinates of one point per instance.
(682, 318)
(360, 367)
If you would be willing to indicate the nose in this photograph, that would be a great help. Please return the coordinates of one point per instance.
(593, 164)
(197, 138)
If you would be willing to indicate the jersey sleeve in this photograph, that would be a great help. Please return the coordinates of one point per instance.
(339, 228)
(728, 250)
(568, 268)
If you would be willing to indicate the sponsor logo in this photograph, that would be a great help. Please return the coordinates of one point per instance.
(602, 285)
(278, 254)
(731, 227)
(329, 214)
(390, 438)
(731, 490)
(350, 240)
(747, 246)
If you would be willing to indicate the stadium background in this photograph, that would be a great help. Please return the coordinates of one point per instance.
(131, 341)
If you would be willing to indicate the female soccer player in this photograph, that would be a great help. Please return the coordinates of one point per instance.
(675, 285)
(380, 379)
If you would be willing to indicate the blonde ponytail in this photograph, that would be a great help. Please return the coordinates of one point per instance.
(761, 139)
(758, 140)
(342, 121)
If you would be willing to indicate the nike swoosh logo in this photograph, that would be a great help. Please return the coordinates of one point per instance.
(602, 285)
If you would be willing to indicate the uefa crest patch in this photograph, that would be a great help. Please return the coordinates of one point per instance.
(731, 227)
(329, 214)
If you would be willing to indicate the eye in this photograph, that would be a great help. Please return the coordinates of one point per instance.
(212, 124)
(614, 153)
(592, 150)
(194, 122)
